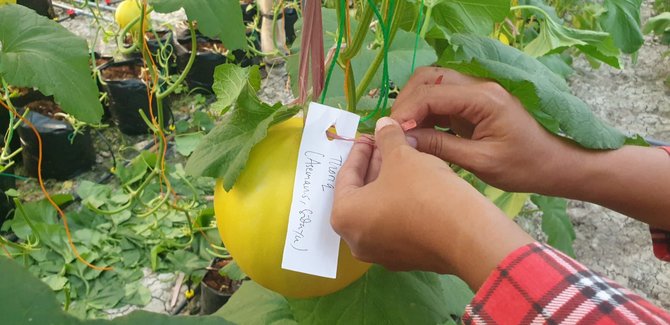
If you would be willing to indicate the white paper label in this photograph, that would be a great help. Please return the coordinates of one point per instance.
(312, 246)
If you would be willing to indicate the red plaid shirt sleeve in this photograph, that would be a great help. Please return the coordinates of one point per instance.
(659, 238)
(661, 241)
(537, 284)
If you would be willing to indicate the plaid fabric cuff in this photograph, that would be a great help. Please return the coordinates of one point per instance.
(661, 241)
(537, 284)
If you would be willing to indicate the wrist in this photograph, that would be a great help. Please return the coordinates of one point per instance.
(481, 238)
(566, 171)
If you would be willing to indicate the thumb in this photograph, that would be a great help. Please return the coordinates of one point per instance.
(448, 147)
(389, 135)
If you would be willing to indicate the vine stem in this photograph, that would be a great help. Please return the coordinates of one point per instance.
(426, 22)
(363, 27)
(372, 70)
(341, 12)
(194, 52)
(119, 39)
(419, 28)
(10, 131)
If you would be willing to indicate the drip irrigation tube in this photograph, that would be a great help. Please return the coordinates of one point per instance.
(657, 143)
(80, 11)
(94, 5)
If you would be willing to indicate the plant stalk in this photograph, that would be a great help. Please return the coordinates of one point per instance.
(426, 22)
(194, 52)
(363, 28)
(372, 70)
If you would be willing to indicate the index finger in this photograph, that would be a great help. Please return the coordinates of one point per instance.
(428, 76)
(470, 103)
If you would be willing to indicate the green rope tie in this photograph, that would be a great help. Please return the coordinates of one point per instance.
(340, 35)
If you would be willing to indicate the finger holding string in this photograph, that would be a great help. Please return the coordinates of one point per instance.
(375, 158)
(431, 76)
(464, 105)
(427, 76)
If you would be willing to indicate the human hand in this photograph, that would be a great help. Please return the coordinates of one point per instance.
(415, 213)
(498, 140)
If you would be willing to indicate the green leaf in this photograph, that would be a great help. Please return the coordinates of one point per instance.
(622, 21)
(224, 151)
(510, 203)
(658, 24)
(544, 94)
(432, 3)
(93, 194)
(408, 17)
(470, 16)
(203, 121)
(379, 296)
(405, 297)
(147, 318)
(255, 305)
(232, 271)
(216, 18)
(55, 282)
(33, 302)
(556, 223)
(186, 262)
(229, 82)
(557, 63)
(554, 38)
(551, 11)
(38, 52)
(103, 296)
(457, 295)
(136, 294)
(186, 143)
(39, 218)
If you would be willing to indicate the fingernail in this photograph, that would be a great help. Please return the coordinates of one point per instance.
(383, 122)
(411, 141)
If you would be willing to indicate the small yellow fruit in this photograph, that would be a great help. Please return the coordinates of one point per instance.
(503, 38)
(127, 11)
(253, 218)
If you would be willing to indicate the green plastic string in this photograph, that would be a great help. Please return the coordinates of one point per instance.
(385, 26)
(418, 33)
(340, 35)
(14, 176)
(386, 83)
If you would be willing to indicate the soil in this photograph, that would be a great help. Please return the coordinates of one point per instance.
(47, 108)
(205, 46)
(152, 36)
(128, 40)
(122, 72)
(220, 283)
(101, 61)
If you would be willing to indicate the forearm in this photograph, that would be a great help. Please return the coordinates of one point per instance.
(479, 243)
(632, 180)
